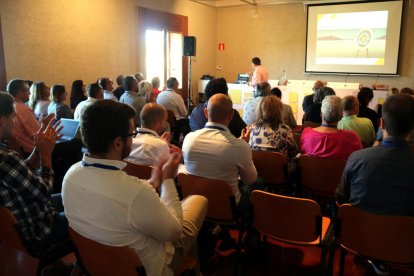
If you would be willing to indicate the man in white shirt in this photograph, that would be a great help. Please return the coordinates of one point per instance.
(105, 204)
(148, 148)
(213, 152)
(108, 86)
(95, 92)
(172, 100)
(131, 97)
(260, 73)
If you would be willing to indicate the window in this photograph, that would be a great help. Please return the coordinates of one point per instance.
(162, 48)
(163, 55)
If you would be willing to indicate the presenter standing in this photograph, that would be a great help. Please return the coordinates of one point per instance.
(260, 73)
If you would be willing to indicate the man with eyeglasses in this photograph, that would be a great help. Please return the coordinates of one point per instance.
(106, 205)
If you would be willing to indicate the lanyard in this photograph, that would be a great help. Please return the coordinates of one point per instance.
(100, 166)
(394, 144)
(326, 125)
(215, 127)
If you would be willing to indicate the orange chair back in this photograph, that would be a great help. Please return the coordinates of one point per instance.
(310, 124)
(8, 232)
(221, 200)
(271, 166)
(320, 176)
(140, 171)
(171, 119)
(101, 259)
(381, 237)
(285, 218)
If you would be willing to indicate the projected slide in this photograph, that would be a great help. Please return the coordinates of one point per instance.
(357, 38)
(354, 37)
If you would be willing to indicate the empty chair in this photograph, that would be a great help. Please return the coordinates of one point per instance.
(271, 167)
(291, 220)
(320, 176)
(140, 171)
(221, 200)
(10, 238)
(383, 238)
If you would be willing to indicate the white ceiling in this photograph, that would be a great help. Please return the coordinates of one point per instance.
(229, 3)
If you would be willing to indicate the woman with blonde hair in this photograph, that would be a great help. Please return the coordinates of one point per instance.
(269, 133)
(145, 89)
(39, 98)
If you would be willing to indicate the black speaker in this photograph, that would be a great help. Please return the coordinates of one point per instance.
(189, 49)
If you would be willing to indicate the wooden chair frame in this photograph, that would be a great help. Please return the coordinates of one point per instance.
(292, 220)
(10, 236)
(140, 171)
(271, 167)
(320, 176)
(100, 259)
(383, 238)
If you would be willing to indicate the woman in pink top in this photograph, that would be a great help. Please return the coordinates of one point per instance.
(327, 141)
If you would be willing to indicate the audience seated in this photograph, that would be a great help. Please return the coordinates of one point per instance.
(131, 97)
(198, 119)
(313, 113)
(95, 92)
(148, 148)
(365, 96)
(26, 185)
(380, 179)
(308, 100)
(107, 86)
(58, 106)
(213, 152)
(39, 98)
(77, 93)
(139, 77)
(249, 111)
(106, 205)
(269, 133)
(155, 82)
(407, 90)
(120, 89)
(361, 126)
(287, 113)
(172, 100)
(26, 124)
(328, 141)
(145, 89)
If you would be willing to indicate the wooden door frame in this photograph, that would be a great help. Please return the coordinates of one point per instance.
(3, 81)
(153, 19)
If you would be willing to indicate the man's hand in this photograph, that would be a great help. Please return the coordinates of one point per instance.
(169, 169)
(45, 141)
(44, 121)
(245, 135)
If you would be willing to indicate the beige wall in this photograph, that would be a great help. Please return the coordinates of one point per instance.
(60, 41)
(277, 35)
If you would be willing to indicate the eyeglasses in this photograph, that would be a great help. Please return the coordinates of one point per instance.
(133, 135)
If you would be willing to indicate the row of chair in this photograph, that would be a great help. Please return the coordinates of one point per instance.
(300, 221)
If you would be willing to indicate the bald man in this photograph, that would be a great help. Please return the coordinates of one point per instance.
(363, 127)
(213, 152)
(308, 100)
(148, 148)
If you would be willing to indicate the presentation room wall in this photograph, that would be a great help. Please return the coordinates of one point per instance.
(60, 41)
(278, 36)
